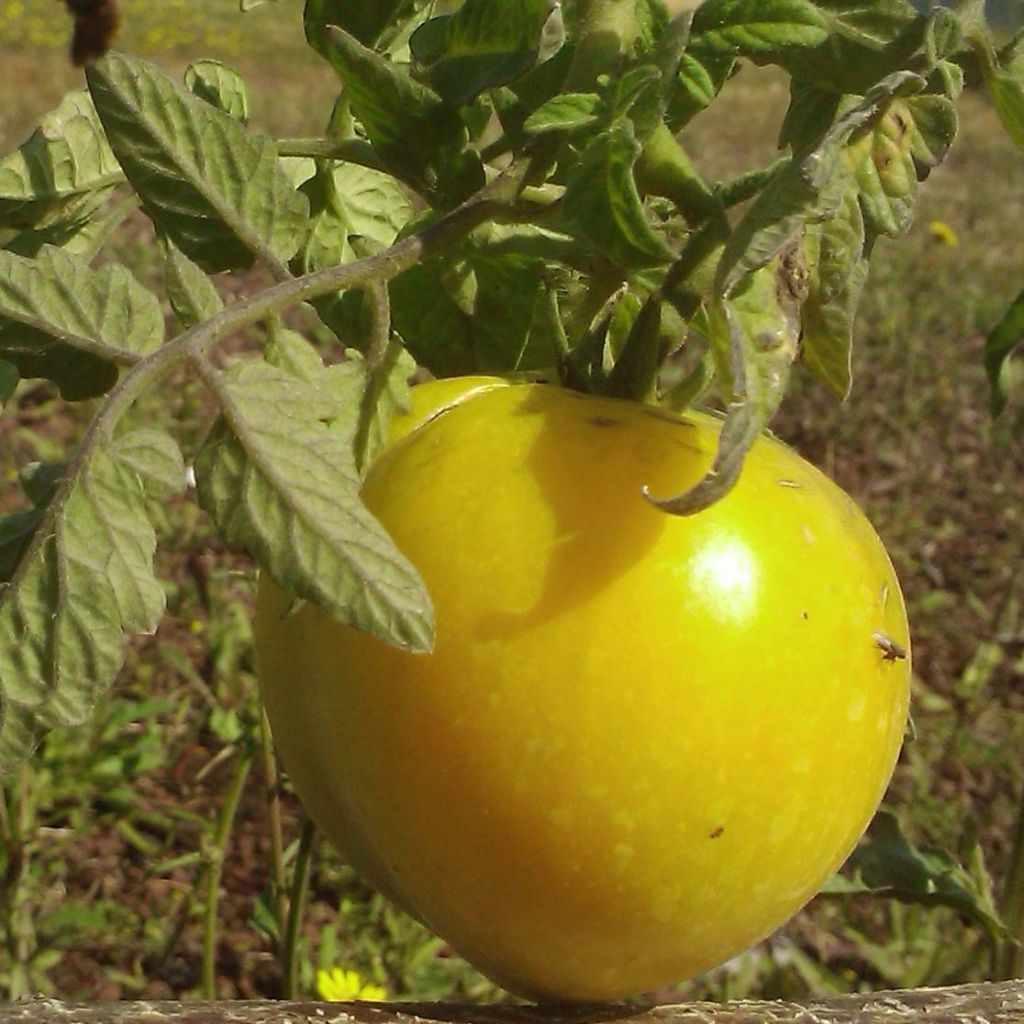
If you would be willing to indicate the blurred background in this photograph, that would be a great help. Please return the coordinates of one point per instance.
(114, 838)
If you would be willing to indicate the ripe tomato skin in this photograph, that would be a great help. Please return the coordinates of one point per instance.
(641, 742)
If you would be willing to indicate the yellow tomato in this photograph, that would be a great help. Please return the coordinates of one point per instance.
(641, 742)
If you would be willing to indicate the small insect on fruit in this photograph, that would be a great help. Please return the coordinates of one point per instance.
(96, 24)
(891, 651)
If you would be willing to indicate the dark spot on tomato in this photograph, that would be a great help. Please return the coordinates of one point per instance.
(603, 421)
(717, 832)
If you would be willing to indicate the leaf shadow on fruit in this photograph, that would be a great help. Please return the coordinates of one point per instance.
(585, 461)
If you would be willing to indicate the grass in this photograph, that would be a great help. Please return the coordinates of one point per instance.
(110, 837)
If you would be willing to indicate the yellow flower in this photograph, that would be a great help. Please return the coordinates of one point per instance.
(338, 985)
(943, 233)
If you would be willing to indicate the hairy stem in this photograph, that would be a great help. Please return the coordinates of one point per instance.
(607, 30)
(350, 151)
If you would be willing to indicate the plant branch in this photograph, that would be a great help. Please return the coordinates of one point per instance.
(376, 365)
(145, 371)
(351, 151)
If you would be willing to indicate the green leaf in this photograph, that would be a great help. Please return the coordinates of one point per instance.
(810, 114)
(1006, 88)
(808, 188)
(192, 295)
(838, 269)
(755, 27)
(9, 378)
(154, 458)
(602, 204)
(216, 189)
(84, 576)
(71, 227)
(365, 21)
(39, 480)
(635, 374)
(887, 864)
(67, 159)
(418, 137)
(221, 87)
(755, 335)
(379, 392)
(64, 321)
(472, 316)
(564, 113)
(902, 146)
(868, 40)
(354, 210)
(281, 484)
(700, 79)
(290, 351)
(1001, 343)
(16, 531)
(486, 43)
(347, 203)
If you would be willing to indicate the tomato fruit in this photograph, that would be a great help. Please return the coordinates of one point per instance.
(641, 742)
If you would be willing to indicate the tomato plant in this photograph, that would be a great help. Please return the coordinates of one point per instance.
(501, 187)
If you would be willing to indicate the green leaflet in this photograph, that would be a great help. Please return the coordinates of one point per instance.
(755, 27)
(377, 393)
(564, 113)
(364, 21)
(283, 485)
(192, 295)
(419, 138)
(754, 335)
(1006, 87)
(216, 189)
(910, 138)
(887, 864)
(221, 87)
(602, 205)
(351, 203)
(475, 315)
(1000, 345)
(82, 578)
(64, 163)
(700, 79)
(838, 269)
(64, 321)
(808, 188)
(867, 41)
(486, 43)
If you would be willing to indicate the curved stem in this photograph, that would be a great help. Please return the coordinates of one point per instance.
(216, 856)
(296, 909)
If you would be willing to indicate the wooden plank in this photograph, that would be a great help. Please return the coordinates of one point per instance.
(988, 1003)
